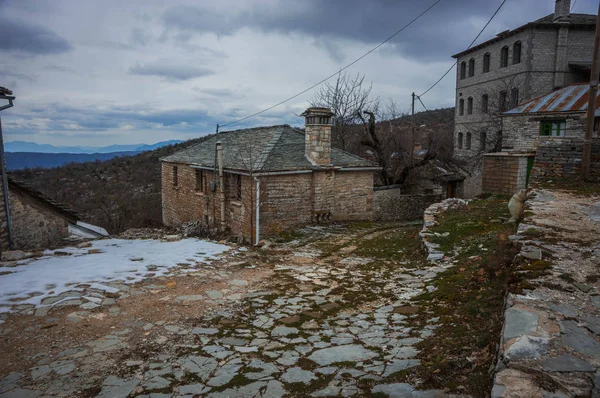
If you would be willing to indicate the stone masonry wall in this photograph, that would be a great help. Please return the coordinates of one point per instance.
(504, 173)
(390, 205)
(559, 158)
(318, 143)
(521, 133)
(33, 225)
(285, 200)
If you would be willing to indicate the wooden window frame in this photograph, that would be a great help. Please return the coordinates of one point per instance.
(470, 106)
(547, 128)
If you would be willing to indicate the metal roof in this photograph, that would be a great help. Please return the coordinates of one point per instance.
(572, 98)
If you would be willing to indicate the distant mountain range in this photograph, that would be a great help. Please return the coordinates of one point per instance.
(23, 146)
(23, 155)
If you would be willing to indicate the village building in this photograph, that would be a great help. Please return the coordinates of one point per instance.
(38, 222)
(555, 122)
(273, 178)
(512, 68)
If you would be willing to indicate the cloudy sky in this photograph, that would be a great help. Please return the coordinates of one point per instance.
(141, 71)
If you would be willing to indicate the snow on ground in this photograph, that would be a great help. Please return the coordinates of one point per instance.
(118, 260)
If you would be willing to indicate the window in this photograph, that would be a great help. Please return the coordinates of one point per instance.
(175, 176)
(200, 180)
(504, 57)
(516, 53)
(471, 67)
(482, 140)
(470, 106)
(514, 97)
(484, 103)
(460, 140)
(553, 128)
(468, 145)
(486, 62)
(463, 70)
(461, 107)
(237, 180)
(502, 101)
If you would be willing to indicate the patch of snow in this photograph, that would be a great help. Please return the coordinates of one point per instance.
(31, 283)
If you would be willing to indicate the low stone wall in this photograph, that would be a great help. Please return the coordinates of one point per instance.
(559, 158)
(389, 204)
(429, 220)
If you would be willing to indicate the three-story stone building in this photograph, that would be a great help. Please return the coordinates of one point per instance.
(515, 66)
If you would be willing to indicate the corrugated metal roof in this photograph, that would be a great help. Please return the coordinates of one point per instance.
(572, 98)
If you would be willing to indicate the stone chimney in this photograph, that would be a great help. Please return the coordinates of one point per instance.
(318, 135)
(562, 9)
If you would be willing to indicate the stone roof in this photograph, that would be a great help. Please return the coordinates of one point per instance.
(265, 149)
(60, 208)
(573, 20)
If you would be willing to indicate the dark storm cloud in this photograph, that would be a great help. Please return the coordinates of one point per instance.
(24, 37)
(436, 35)
(170, 71)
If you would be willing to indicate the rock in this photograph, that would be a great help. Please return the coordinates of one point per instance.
(343, 353)
(298, 375)
(201, 366)
(519, 322)
(13, 255)
(406, 310)
(288, 358)
(290, 319)
(156, 383)
(567, 363)
(528, 347)
(205, 331)
(532, 253)
(40, 371)
(595, 301)
(214, 294)
(283, 331)
(578, 339)
(396, 390)
(41, 312)
(515, 205)
(193, 297)
(238, 282)
(274, 390)
(21, 393)
(193, 389)
(398, 365)
(583, 287)
(84, 245)
(248, 391)
(225, 373)
(115, 387)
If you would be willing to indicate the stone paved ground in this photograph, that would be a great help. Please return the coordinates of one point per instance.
(328, 315)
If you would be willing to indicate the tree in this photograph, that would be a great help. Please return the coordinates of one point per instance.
(347, 98)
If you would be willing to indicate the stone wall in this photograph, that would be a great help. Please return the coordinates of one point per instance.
(34, 225)
(505, 173)
(558, 158)
(390, 205)
(285, 200)
(521, 133)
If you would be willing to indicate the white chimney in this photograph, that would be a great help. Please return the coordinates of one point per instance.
(318, 135)
(562, 9)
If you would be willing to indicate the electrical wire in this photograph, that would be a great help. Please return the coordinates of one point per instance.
(333, 74)
(474, 40)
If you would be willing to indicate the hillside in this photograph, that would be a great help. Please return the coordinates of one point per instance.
(117, 194)
(124, 192)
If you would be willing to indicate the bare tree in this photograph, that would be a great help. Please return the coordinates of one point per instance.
(347, 98)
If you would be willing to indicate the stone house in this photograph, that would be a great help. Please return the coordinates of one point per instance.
(37, 222)
(553, 120)
(515, 66)
(273, 178)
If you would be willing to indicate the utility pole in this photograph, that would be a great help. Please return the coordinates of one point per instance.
(412, 139)
(7, 95)
(591, 111)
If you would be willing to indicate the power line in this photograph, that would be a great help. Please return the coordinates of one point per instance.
(474, 40)
(342, 69)
(419, 98)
